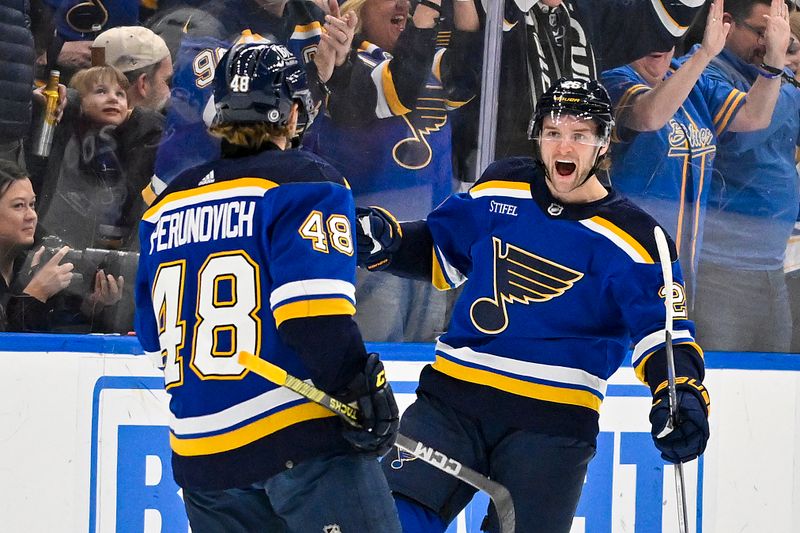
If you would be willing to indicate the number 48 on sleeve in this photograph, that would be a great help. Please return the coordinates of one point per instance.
(335, 232)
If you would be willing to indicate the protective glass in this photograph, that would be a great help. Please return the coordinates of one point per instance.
(758, 32)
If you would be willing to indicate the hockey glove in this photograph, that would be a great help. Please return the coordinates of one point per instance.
(378, 236)
(688, 438)
(379, 416)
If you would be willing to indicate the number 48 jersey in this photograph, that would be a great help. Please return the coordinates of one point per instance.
(231, 250)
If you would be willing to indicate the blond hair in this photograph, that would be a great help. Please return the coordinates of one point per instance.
(251, 136)
(794, 24)
(356, 6)
(84, 80)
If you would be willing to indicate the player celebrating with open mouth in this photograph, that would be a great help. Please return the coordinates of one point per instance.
(561, 277)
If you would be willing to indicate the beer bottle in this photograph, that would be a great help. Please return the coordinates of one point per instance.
(44, 139)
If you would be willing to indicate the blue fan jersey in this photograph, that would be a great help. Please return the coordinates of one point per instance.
(669, 172)
(231, 250)
(403, 152)
(554, 296)
(186, 141)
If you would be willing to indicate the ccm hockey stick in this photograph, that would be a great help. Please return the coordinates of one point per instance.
(499, 495)
(666, 270)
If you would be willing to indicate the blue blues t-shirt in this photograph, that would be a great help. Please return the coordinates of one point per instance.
(668, 172)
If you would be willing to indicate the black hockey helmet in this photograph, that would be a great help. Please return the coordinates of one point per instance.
(259, 82)
(579, 98)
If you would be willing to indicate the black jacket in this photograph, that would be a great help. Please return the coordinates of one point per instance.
(17, 57)
(75, 186)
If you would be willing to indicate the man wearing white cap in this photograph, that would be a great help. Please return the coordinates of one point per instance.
(144, 58)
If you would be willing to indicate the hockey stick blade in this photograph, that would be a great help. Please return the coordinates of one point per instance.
(669, 300)
(499, 495)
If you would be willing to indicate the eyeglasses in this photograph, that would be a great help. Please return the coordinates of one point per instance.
(794, 46)
(760, 33)
(577, 137)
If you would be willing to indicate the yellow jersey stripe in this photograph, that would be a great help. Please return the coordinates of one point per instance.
(226, 189)
(725, 105)
(619, 237)
(389, 91)
(250, 433)
(723, 124)
(519, 387)
(308, 27)
(639, 368)
(438, 278)
(501, 184)
(623, 102)
(148, 195)
(318, 307)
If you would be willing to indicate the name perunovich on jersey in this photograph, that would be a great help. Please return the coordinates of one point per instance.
(231, 250)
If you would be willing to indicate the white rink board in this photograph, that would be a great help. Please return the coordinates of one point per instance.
(83, 445)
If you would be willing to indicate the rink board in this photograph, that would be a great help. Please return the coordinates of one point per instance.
(84, 446)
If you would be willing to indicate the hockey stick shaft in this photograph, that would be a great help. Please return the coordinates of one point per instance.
(499, 495)
(669, 300)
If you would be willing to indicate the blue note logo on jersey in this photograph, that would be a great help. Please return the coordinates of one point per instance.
(402, 457)
(429, 116)
(519, 277)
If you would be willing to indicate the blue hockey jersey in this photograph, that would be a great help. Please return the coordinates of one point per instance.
(554, 296)
(229, 252)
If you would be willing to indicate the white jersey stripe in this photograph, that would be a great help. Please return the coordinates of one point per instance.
(236, 414)
(453, 276)
(510, 193)
(382, 109)
(553, 373)
(647, 344)
(311, 287)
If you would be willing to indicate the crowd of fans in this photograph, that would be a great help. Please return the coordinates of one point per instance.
(707, 127)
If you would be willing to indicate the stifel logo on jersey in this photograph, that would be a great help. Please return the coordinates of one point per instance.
(519, 277)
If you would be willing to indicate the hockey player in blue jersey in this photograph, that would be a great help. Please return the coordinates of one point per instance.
(256, 253)
(561, 276)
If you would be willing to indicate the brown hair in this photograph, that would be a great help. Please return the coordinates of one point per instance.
(85, 79)
(9, 173)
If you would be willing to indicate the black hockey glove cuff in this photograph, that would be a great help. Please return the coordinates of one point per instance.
(378, 236)
(379, 416)
(688, 438)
